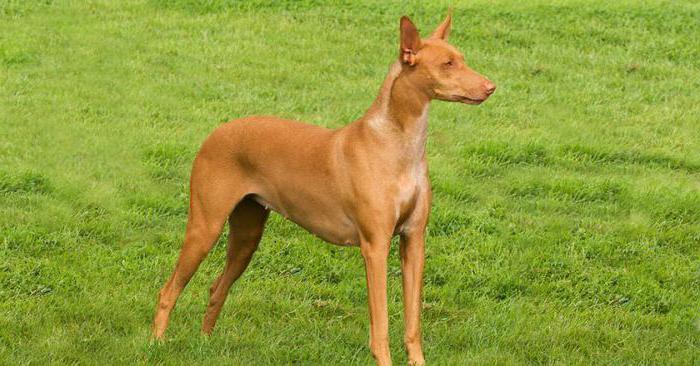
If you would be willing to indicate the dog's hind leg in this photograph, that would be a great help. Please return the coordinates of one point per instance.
(214, 193)
(246, 225)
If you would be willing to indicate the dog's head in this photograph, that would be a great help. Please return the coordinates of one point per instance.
(439, 68)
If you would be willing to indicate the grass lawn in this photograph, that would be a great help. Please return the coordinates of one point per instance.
(565, 227)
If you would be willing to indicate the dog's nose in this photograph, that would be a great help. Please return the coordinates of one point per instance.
(490, 87)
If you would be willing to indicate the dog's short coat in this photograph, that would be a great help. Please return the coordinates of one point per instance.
(358, 185)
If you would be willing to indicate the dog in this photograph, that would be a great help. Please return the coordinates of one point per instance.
(359, 185)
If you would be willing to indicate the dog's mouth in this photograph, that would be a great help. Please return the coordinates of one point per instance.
(467, 100)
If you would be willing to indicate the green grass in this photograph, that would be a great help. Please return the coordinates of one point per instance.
(566, 221)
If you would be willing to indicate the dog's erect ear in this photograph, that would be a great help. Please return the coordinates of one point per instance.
(443, 30)
(410, 41)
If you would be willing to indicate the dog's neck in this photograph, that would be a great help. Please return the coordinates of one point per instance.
(400, 112)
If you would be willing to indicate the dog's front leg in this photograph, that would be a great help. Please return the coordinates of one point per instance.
(375, 254)
(412, 262)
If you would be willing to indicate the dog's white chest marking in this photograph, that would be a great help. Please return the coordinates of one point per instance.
(412, 142)
(379, 123)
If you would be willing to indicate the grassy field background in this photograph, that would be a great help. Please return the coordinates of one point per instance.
(566, 218)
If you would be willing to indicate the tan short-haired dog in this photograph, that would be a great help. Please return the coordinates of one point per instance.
(359, 185)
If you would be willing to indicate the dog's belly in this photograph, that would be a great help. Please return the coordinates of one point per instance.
(326, 221)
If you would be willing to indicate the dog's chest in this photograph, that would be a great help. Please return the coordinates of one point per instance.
(407, 190)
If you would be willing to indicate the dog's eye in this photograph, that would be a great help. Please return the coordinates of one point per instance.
(448, 63)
